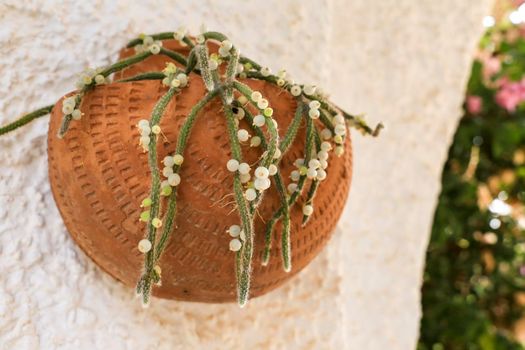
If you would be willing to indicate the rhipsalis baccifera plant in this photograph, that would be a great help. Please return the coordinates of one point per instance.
(326, 129)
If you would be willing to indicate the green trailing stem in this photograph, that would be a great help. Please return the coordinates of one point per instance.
(295, 195)
(144, 76)
(243, 283)
(182, 139)
(277, 178)
(192, 62)
(156, 115)
(174, 55)
(120, 65)
(26, 119)
(274, 141)
(314, 185)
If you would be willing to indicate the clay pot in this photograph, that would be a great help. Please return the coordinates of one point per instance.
(99, 175)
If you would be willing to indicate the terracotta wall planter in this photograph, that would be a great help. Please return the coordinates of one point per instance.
(99, 176)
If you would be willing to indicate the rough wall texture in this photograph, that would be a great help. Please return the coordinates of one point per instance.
(402, 61)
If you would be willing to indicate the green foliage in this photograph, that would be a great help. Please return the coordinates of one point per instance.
(474, 286)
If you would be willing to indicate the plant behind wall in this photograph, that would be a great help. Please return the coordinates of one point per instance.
(185, 81)
(474, 282)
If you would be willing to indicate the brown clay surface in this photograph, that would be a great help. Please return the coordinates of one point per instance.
(99, 175)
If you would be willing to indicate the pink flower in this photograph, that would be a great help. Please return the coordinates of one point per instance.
(517, 3)
(511, 94)
(474, 104)
(491, 66)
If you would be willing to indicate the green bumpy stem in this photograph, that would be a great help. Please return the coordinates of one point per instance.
(274, 141)
(174, 55)
(184, 134)
(287, 140)
(293, 198)
(192, 62)
(314, 185)
(279, 184)
(201, 51)
(231, 72)
(118, 66)
(144, 76)
(26, 119)
(246, 254)
(156, 115)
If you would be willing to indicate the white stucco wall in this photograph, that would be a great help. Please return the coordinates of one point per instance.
(401, 61)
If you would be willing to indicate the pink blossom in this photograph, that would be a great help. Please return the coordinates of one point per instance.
(474, 104)
(511, 94)
(517, 3)
(491, 66)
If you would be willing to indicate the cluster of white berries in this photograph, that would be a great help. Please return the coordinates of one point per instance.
(340, 132)
(145, 131)
(238, 236)
(281, 78)
(225, 48)
(233, 165)
(145, 245)
(148, 44)
(314, 170)
(259, 120)
(69, 107)
(173, 77)
(180, 34)
(88, 76)
(313, 109)
(172, 178)
(263, 106)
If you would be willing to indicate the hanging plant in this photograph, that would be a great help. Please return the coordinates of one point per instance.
(200, 163)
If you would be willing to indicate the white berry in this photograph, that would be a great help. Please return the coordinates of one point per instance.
(261, 184)
(144, 246)
(308, 210)
(314, 113)
(178, 159)
(326, 146)
(340, 129)
(309, 89)
(262, 172)
(243, 135)
(295, 90)
(326, 134)
(174, 179)
(234, 230)
(232, 165)
(259, 120)
(311, 173)
(235, 245)
(314, 104)
(244, 168)
(255, 141)
(167, 171)
(250, 194)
